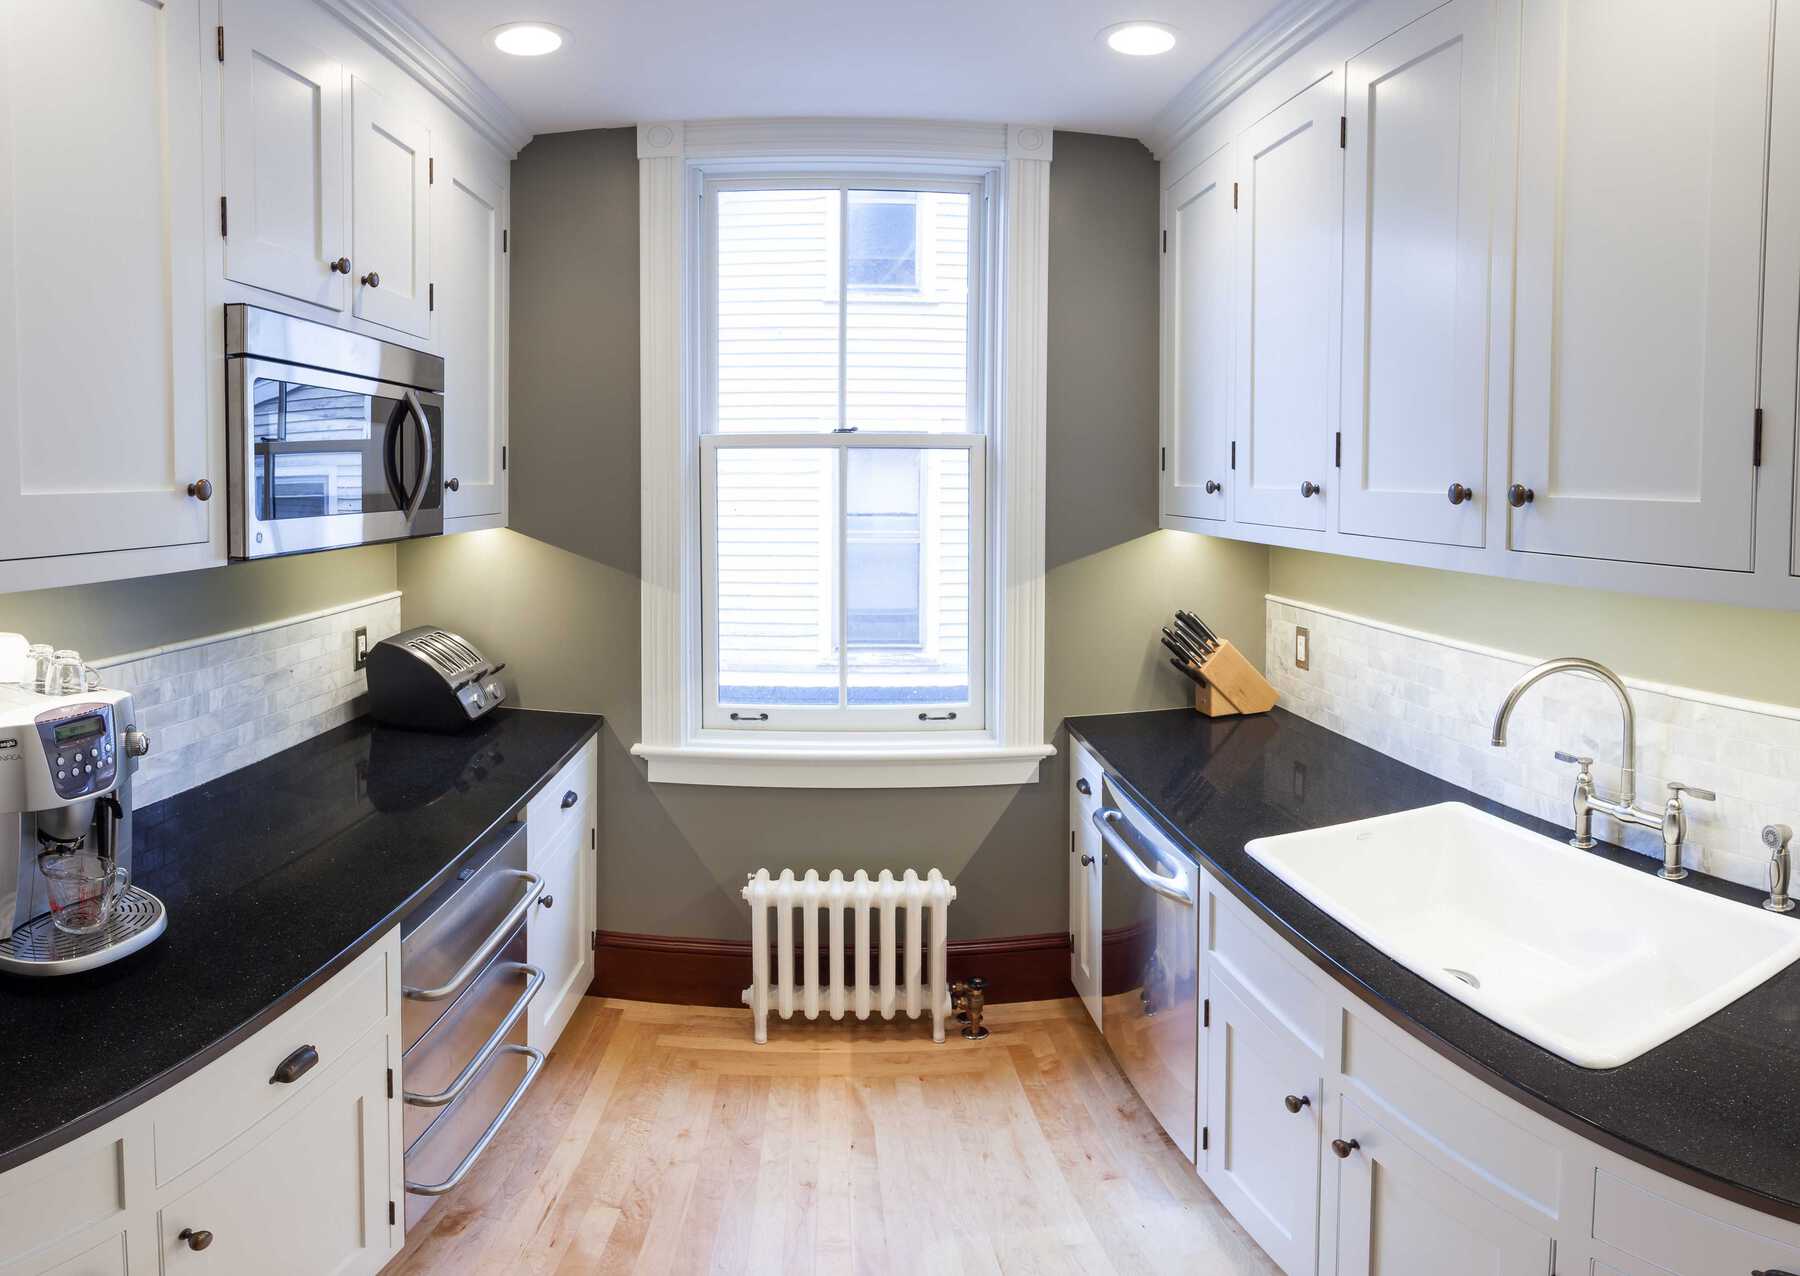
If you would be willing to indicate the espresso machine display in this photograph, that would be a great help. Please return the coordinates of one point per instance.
(66, 898)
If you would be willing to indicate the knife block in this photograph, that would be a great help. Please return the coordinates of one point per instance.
(1232, 686)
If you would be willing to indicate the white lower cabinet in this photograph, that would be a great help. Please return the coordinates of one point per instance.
(1084, 880)
(561, 840)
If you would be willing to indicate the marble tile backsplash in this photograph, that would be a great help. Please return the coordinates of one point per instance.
(219, 703)
(1430, 701)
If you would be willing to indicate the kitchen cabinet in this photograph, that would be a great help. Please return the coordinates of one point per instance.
(282, 112)
(1085, 854)
(390, 160)
(1639, 271)
(468, 223)
(1290, 187)
(1399, 1215)
(1417, 133)
(1197, 334)
(311, 1198)
(561, 839)
(1261, 1153)
(103, 390)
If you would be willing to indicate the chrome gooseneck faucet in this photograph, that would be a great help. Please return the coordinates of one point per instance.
(1671, 821)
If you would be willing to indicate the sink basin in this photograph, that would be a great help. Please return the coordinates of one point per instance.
(1586, 958)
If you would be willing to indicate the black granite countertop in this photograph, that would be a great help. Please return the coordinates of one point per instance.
(1706, 1106)
(275, 877)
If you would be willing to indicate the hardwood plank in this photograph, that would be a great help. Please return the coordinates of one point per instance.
(660, 1139)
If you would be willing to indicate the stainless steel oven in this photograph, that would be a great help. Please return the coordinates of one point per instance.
(334, 438)
(1149, 963)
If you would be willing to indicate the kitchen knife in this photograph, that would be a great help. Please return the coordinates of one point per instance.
(1199, 627)
(1184, 644)
(1188, 670)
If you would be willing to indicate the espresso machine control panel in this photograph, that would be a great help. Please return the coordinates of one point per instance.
(79, 746)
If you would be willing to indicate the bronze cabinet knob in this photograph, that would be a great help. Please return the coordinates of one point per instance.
(1519, 496)
(1083, 787)
(372, 280)
(1309, 488)
(1086, 860)
(196, 1238)
(1458, 493)
(453, 484)
(548, 901)
(200, 489)
(1214, 487)
(341, 266)
(1294, 1102)
(1342, 1148)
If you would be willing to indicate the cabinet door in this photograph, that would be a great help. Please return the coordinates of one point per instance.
(282, 103)
(1639, 270)
(1084, 883)
(468, 212)
(103, 412)
(1289, 223)
(1197, 327)
(1400, 1215)
(310, 1199)
(557, 938)
(1261, 1160)
(1418, 151)
(389, 218)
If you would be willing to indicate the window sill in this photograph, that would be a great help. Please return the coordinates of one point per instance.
(776, 765)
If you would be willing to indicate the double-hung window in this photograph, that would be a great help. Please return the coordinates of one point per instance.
(844, 394)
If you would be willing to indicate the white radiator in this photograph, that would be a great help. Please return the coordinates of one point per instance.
(884, 991)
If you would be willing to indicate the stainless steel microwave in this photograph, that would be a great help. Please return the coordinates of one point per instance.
(334, 438)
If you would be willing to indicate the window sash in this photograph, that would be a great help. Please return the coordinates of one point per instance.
(842, 716)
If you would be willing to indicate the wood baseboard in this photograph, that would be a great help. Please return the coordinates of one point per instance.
(715, 972)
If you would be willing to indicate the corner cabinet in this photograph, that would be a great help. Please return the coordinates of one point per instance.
(1548, 331)
(561, 846)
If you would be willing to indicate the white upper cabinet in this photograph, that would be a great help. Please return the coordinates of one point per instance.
(282, 107)
(390, 219)
(1643, 130)
(1197, 335)
(103, 406)
(1290, 175)
(468, 216)
(1418, 154)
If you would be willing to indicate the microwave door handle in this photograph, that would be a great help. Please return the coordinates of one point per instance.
(427, 457)
(390, 462)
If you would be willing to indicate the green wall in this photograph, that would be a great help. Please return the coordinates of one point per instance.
(1737, 651)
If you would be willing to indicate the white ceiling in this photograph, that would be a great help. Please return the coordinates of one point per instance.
(996, 61)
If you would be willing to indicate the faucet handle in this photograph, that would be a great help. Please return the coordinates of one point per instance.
(1573, 759)
(1677, 788)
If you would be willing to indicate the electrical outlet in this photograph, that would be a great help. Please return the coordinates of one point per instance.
(362, 646)
(1302, 648)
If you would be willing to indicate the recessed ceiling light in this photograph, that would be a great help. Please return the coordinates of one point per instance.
(1139, 39)
(528, 39)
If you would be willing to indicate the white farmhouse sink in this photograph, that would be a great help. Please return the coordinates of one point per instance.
(1586, 958)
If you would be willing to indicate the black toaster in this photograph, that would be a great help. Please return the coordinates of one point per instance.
(429, 679)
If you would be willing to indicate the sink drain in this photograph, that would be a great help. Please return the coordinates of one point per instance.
(1463, 975)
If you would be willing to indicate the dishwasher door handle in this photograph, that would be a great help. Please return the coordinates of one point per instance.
(534, 980)
(535, 1060)
(1174, 888)
(534, 886)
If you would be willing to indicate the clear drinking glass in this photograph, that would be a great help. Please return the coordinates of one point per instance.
(84, 888)
(35, 676)
(69, 676)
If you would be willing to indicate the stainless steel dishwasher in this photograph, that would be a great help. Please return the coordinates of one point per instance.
(465, 983)
(1150, 1009)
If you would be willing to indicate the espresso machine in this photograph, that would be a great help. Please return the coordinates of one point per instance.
(66, 763)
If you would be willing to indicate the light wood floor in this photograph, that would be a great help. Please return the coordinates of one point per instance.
(659, 1139)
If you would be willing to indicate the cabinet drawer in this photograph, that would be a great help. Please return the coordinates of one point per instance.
(565, 802)
(1239, 943)
(64, 1192)
(105, 1259)
(227, 1097)
(1678, 1239)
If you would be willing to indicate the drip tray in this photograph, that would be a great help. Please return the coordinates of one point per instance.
(38, 948)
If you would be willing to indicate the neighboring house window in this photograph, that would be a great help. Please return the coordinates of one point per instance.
(883, 240)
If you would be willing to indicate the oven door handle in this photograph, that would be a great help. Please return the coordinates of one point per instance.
(534, 886)
(1174, 888)
(427, 457)
(536, 1061)
(534, 980)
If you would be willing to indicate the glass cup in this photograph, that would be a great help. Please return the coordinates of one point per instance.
(35, 675)
(84, 889)
(69, 676)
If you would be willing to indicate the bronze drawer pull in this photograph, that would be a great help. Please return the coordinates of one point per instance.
(295, 1066)
(1294, 1102)
(1344, 1147)
(196, 1238)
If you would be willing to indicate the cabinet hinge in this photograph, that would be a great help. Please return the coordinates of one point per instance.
(1071, 941)
(1338, 451)
(220, 33)
(1756, 440)
(1204, 1139)
(431, 296)
(593, 939)
(1234, 194)
(1234, 454)
(503, 239)
(391, 1218)
(1165, 235)
(593, 839)
(1163, 465)
(431, 170)
(1343, 132)
(1206, 1013)
(503, 456)
(390, 1083)
(224, 219)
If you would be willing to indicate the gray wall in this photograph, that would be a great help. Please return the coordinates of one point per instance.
(557, 598)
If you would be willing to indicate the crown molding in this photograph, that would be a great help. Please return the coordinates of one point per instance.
(424, 57)
(1248, 58)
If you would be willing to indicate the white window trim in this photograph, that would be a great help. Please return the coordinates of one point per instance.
(677, 748)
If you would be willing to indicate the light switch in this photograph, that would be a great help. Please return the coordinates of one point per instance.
(1302, 648)
(362, 646)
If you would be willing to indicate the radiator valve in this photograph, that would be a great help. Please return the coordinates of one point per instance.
(968, 997)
